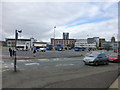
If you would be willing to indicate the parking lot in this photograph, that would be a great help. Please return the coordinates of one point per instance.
(56, 69)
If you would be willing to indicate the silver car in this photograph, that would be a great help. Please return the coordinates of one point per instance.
(96, 58)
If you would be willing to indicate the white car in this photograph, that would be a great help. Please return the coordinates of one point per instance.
(43, 49)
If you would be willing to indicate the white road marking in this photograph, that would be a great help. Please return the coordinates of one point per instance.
(43, 59)
(56, 59)
(64, 65)
(24, 60)
(32, 64)
(21, 60)
(5, 66)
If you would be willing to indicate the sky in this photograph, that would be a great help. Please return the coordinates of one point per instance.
(81, 19)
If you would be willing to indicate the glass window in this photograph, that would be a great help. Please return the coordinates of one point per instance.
(113, 55)
(101, 55)
(8, 42)
(93, 55)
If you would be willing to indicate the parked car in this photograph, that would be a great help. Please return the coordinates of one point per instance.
(114, 57)
(49, 47)
(83, 49)
(42, 49)
(76, 49)
(59, 47)
(96, 58)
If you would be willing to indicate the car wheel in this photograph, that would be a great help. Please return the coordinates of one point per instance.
(96, 63)
(107, 62)
(85, 63)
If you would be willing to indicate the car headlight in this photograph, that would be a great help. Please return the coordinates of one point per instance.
(91, 59)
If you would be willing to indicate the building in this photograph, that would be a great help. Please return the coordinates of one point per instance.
(84, 43)
(2, 43)
(20, 42)
(90, 40)
(110, 46)
(101, 41)
(39, 44)
(113, 39)
(96, 40)
(64, 42)
(65, 36)
(81, 40)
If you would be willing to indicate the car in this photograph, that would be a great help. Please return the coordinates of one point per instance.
(59, 47)
(114, 57)
(96, 58)
(42, 49)
(76, 49)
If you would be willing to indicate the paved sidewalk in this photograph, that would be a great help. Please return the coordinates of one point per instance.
(116, 83)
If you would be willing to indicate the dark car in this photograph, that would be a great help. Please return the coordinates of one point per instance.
(76, 49)
(96, 58)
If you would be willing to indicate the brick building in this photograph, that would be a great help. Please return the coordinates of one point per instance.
(2, 43)
(64, 42)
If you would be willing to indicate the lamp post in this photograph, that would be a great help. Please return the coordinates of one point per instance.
(16, 37)
(54, 35)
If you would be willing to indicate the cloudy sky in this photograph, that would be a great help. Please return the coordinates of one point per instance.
(80, 19)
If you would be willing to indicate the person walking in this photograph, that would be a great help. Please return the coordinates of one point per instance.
(13, 52)
(10, 51)
(34, 52)
(26, 48)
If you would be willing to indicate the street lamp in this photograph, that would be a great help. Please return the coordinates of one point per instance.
(54, 35)
(16, 38)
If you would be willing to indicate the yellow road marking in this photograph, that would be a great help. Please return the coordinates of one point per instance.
(4, 70)
(8, 70)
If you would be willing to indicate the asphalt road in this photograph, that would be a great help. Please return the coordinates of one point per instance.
(57, 73)
(47, 54)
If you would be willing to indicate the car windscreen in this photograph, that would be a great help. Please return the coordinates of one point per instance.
(113, 55)
(93, 55)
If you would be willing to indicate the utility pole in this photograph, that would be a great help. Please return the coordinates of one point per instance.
(54, 35)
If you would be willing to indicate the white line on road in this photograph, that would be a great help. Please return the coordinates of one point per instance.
(43, 59)
(32, 64)
(24, 60)
(64, 65)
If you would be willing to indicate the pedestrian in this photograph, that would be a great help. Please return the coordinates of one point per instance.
(10, 51)
(26, 48)
(13, 52)
(34, 52)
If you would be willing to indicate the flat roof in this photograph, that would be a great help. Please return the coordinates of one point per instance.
(40, 42)
(63, 39)
(18, 39)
